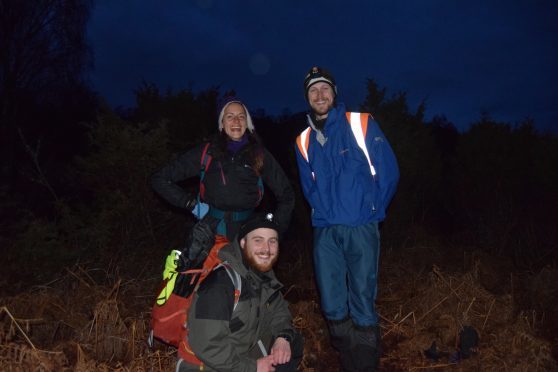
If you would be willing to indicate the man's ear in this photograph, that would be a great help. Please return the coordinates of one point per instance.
(242, 243)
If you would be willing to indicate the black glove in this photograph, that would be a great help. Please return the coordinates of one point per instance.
(199, 243)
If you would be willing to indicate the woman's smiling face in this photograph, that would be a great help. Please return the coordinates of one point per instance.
(234, 121)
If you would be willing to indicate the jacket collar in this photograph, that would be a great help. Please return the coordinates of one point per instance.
(336, 113)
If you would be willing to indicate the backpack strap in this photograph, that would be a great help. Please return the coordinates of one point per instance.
(205, 161)
(260, 189)
(359, 125)
(235, 278)
(260, 182)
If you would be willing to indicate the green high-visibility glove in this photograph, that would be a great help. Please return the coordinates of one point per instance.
(169, 274)
(171, 263)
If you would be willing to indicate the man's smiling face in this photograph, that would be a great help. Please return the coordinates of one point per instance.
(260, 249)
(321, 98)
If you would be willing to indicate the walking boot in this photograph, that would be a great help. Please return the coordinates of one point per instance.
(366, 356)
(340, 335)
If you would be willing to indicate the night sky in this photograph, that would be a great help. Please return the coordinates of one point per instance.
(463, 58)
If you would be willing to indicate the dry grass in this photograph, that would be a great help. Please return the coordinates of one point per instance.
(420, 304)
(418, 307)
(90, 320)
(76, 324)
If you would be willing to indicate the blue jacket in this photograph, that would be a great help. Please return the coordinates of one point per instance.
(337, 180)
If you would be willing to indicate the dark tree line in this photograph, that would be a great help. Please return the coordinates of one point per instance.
(491, 187)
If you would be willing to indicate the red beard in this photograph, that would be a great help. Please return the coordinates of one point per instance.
(255, 263)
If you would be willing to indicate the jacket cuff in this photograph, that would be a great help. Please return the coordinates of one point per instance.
(287, 334)
(190, 203)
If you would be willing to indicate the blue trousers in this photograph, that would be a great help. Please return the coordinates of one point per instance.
(346, 265)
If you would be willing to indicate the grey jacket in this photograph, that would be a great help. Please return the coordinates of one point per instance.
(227, 340)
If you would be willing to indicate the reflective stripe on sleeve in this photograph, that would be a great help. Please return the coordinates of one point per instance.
(359, 126)
(303, 141)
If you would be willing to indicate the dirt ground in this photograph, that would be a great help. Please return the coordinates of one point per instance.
(92, 319)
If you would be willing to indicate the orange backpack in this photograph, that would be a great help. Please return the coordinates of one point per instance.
(169, 321)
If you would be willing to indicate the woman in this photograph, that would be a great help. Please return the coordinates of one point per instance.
(232, 167)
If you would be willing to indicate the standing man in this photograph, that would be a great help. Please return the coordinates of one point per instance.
(256, 334)
(349, 174)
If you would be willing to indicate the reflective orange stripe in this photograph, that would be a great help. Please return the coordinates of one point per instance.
(303, 141)
(364, 123)
(359, 126)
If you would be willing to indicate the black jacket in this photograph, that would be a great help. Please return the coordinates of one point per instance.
(231, 183)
